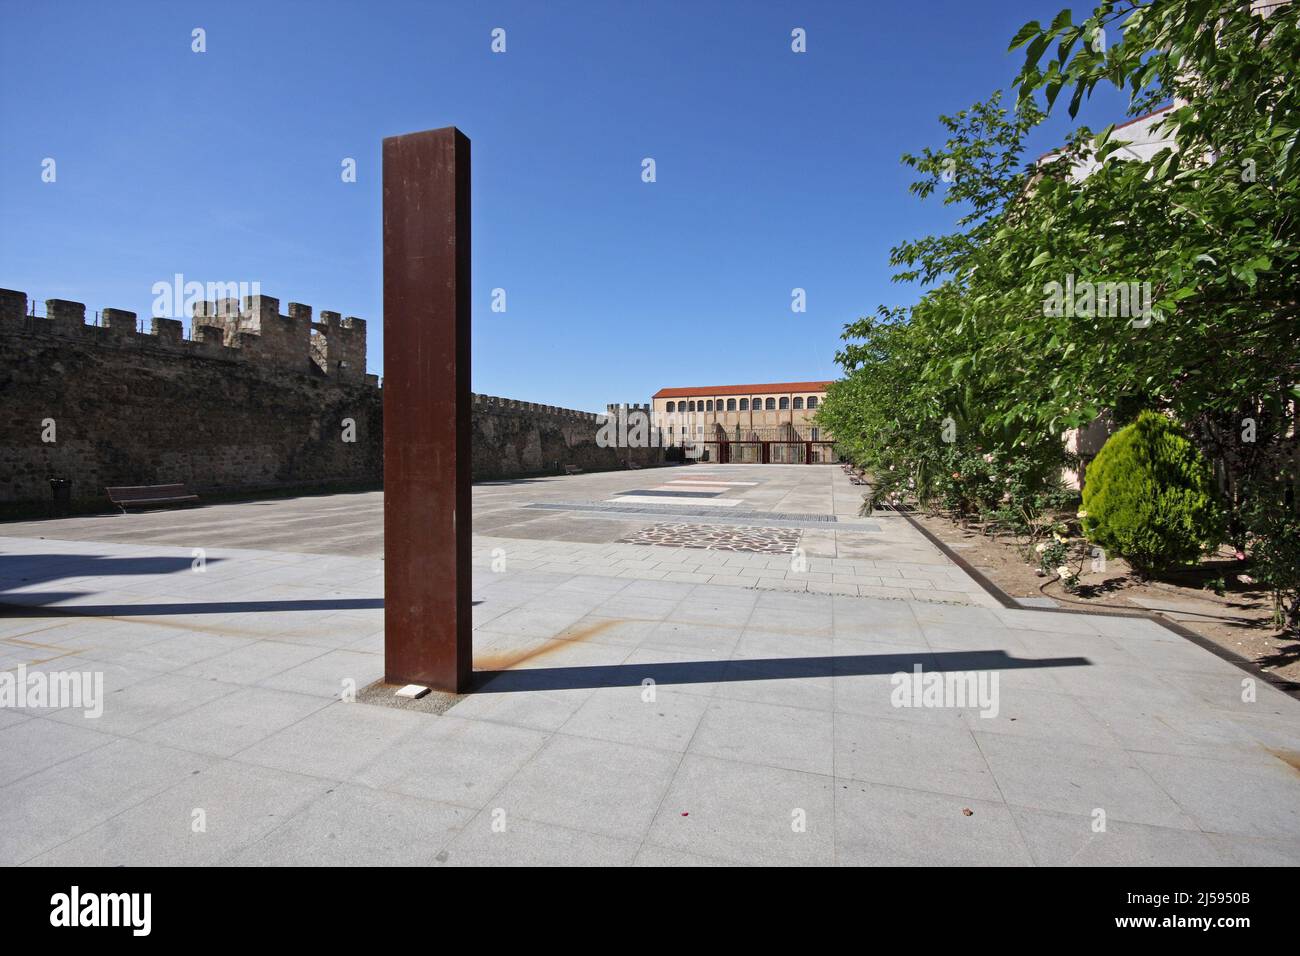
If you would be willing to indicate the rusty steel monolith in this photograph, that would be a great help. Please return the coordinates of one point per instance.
(427, 619)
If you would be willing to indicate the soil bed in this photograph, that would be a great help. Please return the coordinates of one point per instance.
(1240, 619)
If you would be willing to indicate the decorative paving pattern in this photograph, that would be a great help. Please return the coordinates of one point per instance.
(670, 493)
(768, 518)
(717, 538)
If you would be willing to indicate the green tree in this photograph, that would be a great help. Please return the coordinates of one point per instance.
(1209, 226)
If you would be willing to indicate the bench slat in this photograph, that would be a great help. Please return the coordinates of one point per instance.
(123, 495)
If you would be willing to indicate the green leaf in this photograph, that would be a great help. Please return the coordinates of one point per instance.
(1076, 99)
(1034, 52)
(1024, 33)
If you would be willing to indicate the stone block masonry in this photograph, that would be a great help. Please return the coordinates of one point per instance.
(242, 405)
(254, 400)
(513, 438)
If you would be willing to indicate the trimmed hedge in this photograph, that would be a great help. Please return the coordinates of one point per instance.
(1150, 497)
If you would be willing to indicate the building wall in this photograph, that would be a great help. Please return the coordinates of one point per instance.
(254, 401)
(703, 413)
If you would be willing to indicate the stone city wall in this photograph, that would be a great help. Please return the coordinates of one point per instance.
(254, 400)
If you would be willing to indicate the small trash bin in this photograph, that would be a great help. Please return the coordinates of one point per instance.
(61, 506)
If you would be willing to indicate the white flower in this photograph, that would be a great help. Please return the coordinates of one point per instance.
(1063, 571)
(1083, 514)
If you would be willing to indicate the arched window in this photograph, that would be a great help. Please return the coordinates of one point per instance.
(672, 407)
(812, 401)
(731, 404)
(708, 405)
(744, 404)
(770, 405)
(798, 403)
(691, 407)
(785, 404)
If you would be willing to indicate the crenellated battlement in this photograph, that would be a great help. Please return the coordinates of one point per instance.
(250, 331)
(626, 409)
(487, 403)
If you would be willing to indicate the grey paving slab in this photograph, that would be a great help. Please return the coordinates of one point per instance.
(9, 718)
(172, 653)
(29, 745)
(879, 750)
(203, 820)
(493, 840)
(496, 653)
(234, 722)
(872, 695)
(334, 742)
(357, 826)
(1234, 798)
(1059, 839)
(749, 680)
(1044, 714)
(45, 809)
(682, 671)
(746, 813)
(329, 675)
(251, 663)
(147, 702)
(704, 641)
(452, 759)
(1271, 850)
(537, 709)
(1173, 657)
(650, 855)
(772, 736)
(1078, 780)
(114, 677)
(651, 716)
(593, 785)
(1183, 729)
(1226, 691)
(877, 825)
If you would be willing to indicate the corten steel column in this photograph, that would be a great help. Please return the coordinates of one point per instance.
(427, 621)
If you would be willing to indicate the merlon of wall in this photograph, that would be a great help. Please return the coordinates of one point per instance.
(491, 403)
(253, 331)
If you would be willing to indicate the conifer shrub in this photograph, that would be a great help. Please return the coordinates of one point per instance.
(1150, 497)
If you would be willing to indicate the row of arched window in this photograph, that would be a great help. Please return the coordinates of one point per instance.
(770, 405)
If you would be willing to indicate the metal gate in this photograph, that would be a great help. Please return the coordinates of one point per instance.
(764, 452)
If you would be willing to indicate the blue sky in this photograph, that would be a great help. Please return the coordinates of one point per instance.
(775, 170)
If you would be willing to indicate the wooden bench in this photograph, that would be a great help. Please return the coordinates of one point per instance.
(572, 470)
(145, 495)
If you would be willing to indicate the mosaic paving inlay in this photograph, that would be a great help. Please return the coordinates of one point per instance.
(717, 537)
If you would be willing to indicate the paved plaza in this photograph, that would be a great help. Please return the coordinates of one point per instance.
(681, 665)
